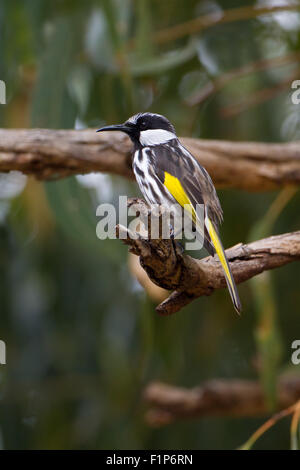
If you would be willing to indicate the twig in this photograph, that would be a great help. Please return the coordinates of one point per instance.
(295, 436)
(220, 82)
(269, 424)
(207, 21)
(259, 96)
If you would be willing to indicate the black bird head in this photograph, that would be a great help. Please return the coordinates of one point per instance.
(145, 129)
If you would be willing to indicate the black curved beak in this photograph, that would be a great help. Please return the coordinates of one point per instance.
(117, 127)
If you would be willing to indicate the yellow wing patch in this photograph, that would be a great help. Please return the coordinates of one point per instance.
(175, 187)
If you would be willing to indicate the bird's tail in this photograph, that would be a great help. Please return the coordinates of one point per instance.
(216, 242)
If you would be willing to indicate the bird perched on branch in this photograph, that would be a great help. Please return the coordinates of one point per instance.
(168, 174)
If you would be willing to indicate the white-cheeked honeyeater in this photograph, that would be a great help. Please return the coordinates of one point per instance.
(168, 174)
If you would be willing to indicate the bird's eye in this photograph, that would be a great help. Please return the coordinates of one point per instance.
(143, 124)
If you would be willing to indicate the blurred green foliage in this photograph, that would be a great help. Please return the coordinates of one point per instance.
(82, 337)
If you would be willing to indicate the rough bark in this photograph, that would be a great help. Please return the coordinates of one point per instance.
(50, 154)
(217, 397)
(189, 278)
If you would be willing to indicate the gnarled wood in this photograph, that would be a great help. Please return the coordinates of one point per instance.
(189, 278)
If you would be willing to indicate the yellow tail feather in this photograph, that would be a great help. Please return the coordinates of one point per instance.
(223, 260)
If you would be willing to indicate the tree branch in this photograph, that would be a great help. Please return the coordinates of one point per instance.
(58, 153)
(215, 398)
(190, 278)
(220, 82)
(209, 20)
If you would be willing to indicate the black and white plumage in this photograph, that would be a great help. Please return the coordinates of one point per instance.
(168, 174)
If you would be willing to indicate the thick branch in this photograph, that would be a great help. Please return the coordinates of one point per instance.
(190, 278)
(58, 153)
(215, 398)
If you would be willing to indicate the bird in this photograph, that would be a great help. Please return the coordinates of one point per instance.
(167, 173)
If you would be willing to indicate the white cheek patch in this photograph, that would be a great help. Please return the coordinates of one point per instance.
(156, 136)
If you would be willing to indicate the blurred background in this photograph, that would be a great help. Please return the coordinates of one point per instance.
(82, 335)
